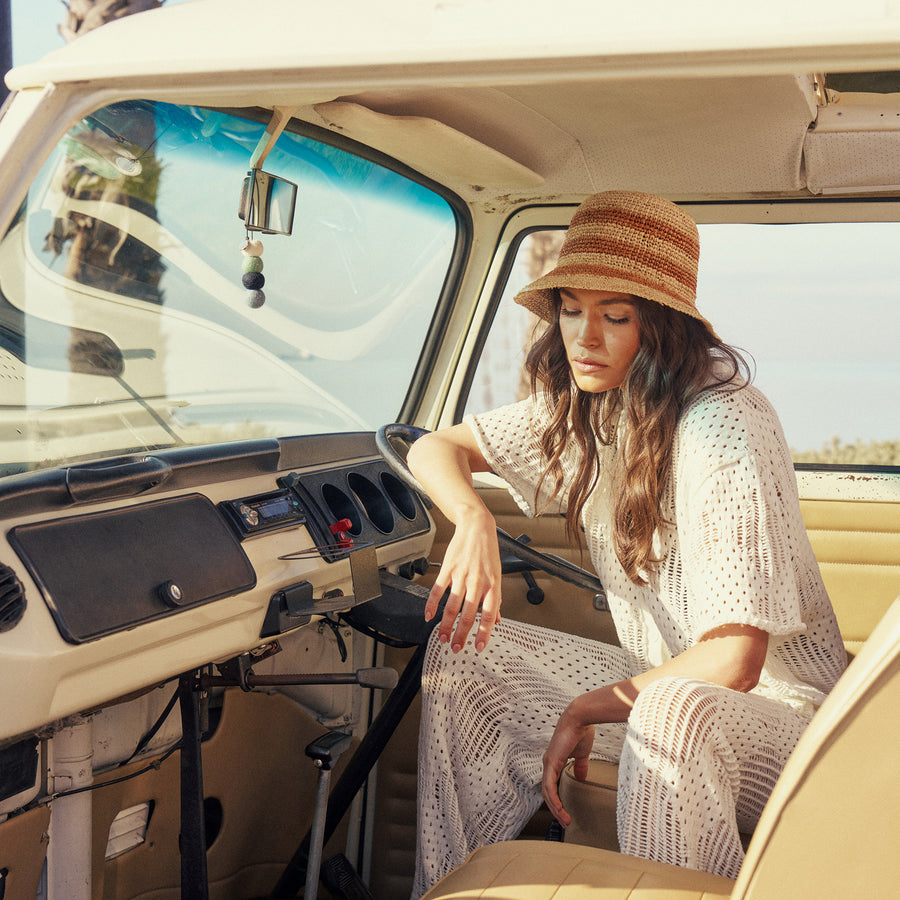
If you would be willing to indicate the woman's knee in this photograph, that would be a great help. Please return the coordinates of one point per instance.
(674, 710)
(674, 692)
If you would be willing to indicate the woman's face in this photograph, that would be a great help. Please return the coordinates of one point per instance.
(601, 335)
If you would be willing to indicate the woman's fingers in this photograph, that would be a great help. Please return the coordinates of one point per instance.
(451, 611)
(555, 758)
(469, 577)
(462, 611)
(571, 740)
(550, 793)
(435, 595)
(490, 616)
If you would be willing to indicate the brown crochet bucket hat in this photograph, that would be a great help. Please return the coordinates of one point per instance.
(629, 242)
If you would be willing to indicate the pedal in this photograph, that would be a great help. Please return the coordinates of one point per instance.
(341, 879)
(555, 832)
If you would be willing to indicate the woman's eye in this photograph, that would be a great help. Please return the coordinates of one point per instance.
(614, 321)
(567, 312)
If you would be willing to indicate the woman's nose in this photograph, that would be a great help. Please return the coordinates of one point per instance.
(591, 332)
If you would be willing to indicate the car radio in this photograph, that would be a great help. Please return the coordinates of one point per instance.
(265, 512)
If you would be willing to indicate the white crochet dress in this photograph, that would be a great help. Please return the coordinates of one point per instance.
(696, 761)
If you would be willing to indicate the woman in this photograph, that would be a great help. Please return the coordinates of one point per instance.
(643, 428)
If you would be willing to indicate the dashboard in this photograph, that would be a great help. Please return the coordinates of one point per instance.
(121, 587)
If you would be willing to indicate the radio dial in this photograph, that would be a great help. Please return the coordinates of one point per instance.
(249, 515)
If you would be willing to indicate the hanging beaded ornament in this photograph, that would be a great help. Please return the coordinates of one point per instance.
(252, 267)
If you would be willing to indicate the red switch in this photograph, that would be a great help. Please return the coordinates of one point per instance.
(339, 529)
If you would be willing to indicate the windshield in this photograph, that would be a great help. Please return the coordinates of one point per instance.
(124, 323)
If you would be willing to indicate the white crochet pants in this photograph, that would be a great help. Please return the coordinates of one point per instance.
(697, 762)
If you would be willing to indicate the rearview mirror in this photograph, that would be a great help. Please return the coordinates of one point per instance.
(267, 203)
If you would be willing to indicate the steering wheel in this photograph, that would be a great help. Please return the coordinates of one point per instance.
(530, 558)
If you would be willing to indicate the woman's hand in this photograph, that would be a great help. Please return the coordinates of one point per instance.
(471, 573)
(572, 739)
(444, 462)
(730, 655)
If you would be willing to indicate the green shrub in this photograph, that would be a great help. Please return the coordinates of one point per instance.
(860, 453)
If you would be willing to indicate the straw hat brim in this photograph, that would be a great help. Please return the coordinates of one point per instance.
(537, 297)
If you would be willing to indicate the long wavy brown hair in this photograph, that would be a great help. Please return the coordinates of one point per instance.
(677, 359)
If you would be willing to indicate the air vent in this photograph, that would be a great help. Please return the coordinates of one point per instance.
(12, 599)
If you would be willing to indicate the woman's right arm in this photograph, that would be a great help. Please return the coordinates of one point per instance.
(443, 462)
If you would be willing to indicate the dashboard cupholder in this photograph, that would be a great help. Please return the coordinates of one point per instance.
(374, 502)
(401, 496)
(342, 507)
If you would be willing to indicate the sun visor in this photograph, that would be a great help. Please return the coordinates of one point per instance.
(429, 146)
(855, 145)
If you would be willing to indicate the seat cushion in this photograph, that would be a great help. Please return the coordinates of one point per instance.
(541, 870)
(591, 804)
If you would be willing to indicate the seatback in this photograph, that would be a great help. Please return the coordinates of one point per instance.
(857, 546)
(829, 829)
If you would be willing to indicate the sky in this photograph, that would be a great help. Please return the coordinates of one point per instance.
(34, 28)
(34, 25)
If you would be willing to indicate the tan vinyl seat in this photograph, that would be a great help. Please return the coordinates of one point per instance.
(829, 829)
(592, 805)
(546, 870)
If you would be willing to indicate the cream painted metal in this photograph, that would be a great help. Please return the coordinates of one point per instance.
(480, 39)
(69, 846)
(63, 679)
(408, 74)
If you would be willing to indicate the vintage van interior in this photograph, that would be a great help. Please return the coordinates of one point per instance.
(213, 567)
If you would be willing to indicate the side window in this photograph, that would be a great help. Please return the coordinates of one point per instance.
(814, 306)
(500, 376)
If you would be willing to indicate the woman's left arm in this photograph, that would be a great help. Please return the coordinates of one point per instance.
(730, 655)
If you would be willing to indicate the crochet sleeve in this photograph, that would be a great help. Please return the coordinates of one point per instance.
(739, 523)
(508, 439)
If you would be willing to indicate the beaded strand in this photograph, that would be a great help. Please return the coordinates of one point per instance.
(252, 268)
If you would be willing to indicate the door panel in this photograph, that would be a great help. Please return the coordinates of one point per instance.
(857, 544)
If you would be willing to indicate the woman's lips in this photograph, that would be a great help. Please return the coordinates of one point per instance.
(587, 365)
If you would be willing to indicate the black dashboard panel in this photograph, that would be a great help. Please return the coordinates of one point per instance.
(109, 571)
(367, 499)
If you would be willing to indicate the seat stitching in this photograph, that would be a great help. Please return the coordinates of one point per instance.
(575, 863)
